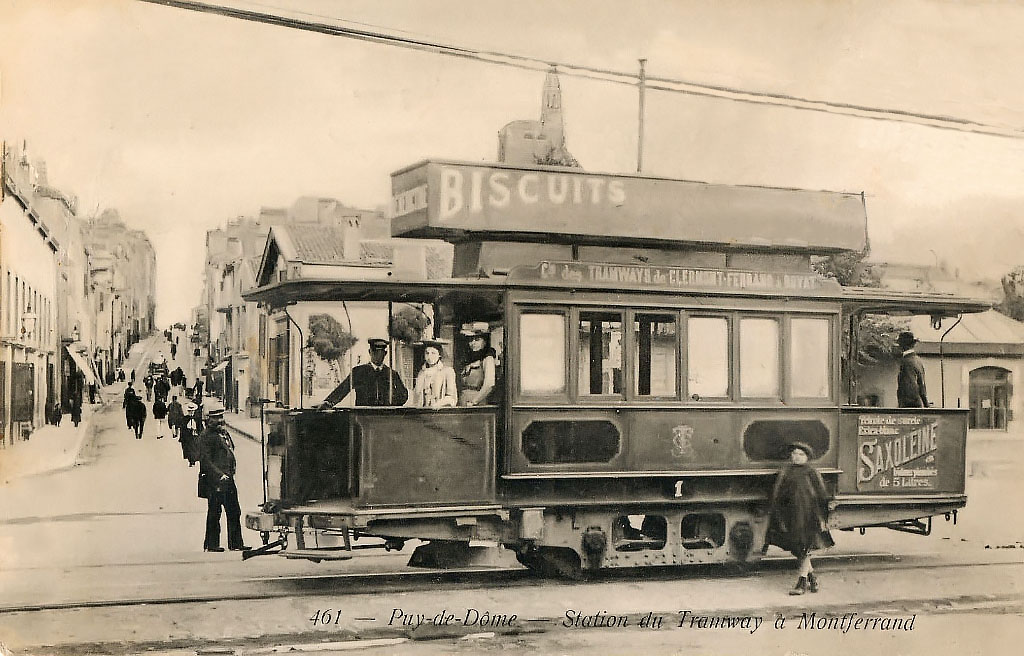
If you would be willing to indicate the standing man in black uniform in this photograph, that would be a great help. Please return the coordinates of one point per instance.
(371, 381)
(910, 388)
(217, 483)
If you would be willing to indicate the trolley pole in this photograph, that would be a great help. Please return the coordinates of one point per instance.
(640, 128)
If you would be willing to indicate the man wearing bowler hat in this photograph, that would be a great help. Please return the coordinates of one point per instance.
(375, 383)
(217, 482)
(910, 387)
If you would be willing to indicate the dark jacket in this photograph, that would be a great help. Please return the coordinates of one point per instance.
(216, 456)
(371, 386)
(910, 389)
(136, 412)
(174, 414)
(799, 509)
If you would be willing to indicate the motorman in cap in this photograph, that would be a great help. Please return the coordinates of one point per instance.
(371, 381)
(910, 388)
(217, 482)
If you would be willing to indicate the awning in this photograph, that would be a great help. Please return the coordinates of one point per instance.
(83, 363)
(221, 367)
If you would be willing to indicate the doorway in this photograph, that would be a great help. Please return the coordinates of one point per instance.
(991, 393)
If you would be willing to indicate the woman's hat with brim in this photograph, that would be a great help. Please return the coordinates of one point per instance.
(803, 446)
(475, 329)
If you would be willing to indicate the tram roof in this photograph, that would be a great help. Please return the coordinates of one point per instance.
(868, 299)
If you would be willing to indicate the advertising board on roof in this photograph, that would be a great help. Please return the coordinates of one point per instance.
(446, 199)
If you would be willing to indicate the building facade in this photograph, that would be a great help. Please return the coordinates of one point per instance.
(29, 340)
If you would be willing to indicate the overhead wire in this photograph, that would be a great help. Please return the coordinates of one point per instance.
(423, 43)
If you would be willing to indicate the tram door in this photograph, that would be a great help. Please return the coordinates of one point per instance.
(990, 398)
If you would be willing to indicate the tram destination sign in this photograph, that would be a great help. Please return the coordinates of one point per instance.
(451, 199)
(671, 277)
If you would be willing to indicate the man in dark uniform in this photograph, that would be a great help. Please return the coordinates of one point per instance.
(217, 483)
(371, 381)
(910, 387)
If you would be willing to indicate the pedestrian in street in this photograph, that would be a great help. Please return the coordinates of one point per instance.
(92, 393)
(148, 382)
(55, 414)
(188, 435)
(161, 388)
(217, 484)
(160, 414)
(129, 394)
(76, 412)
(174, 351)
(197, 393)
(799, 514)
(175, 414)
(137, 416)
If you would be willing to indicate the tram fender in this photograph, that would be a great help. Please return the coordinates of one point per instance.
(595, 543)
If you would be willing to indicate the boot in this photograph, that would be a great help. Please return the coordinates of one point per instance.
(801, 586)
(812, 582)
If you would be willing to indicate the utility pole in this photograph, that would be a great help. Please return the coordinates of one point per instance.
(640, 130)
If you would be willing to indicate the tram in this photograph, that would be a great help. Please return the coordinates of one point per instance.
(660, 342)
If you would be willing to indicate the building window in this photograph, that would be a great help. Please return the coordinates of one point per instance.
(600, 353)
(654, 354)
(542, 348)
(759, 358)
(707, 356)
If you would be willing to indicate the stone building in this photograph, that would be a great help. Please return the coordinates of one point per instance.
(234, 327)
(530, 142)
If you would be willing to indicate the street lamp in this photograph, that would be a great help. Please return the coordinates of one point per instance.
(28, 322)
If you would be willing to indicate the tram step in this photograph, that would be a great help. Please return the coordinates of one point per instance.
(324, 553)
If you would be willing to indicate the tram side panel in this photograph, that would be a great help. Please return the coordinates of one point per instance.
(356, 459)
(900, 464)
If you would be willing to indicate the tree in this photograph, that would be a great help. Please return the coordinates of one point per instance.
(330, 341)
(1013, 294)
(408, 324)
(876, 341)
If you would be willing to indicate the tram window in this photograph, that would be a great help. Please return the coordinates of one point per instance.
(542, 349)
(600, 353)
(759, 358)
(810, 373)
(654, 355)
(707, 354)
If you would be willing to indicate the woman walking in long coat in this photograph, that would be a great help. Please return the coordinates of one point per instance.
(799, 511)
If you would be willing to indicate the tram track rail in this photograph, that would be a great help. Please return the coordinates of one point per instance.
(390, 582)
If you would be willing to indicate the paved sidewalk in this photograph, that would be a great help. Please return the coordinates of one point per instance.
(242, 424)
(49, 448)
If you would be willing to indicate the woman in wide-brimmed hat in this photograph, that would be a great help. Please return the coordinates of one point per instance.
(799, 511)
(435, 384)
(477, 377)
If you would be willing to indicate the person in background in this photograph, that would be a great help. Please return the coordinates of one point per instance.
(217, 480)
(92, 393)
(478, 374)
(76, 411)
(371, 381)
(148, 382)
(129, 394)
(435, 384)
(188, 434)
(159, 413)
(910, 387)
(174, 351)
(175, 414)
(799, 514)
(137, 416)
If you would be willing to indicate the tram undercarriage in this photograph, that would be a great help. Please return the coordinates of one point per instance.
(568, 541)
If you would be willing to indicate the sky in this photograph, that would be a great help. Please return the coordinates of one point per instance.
(182, 121)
